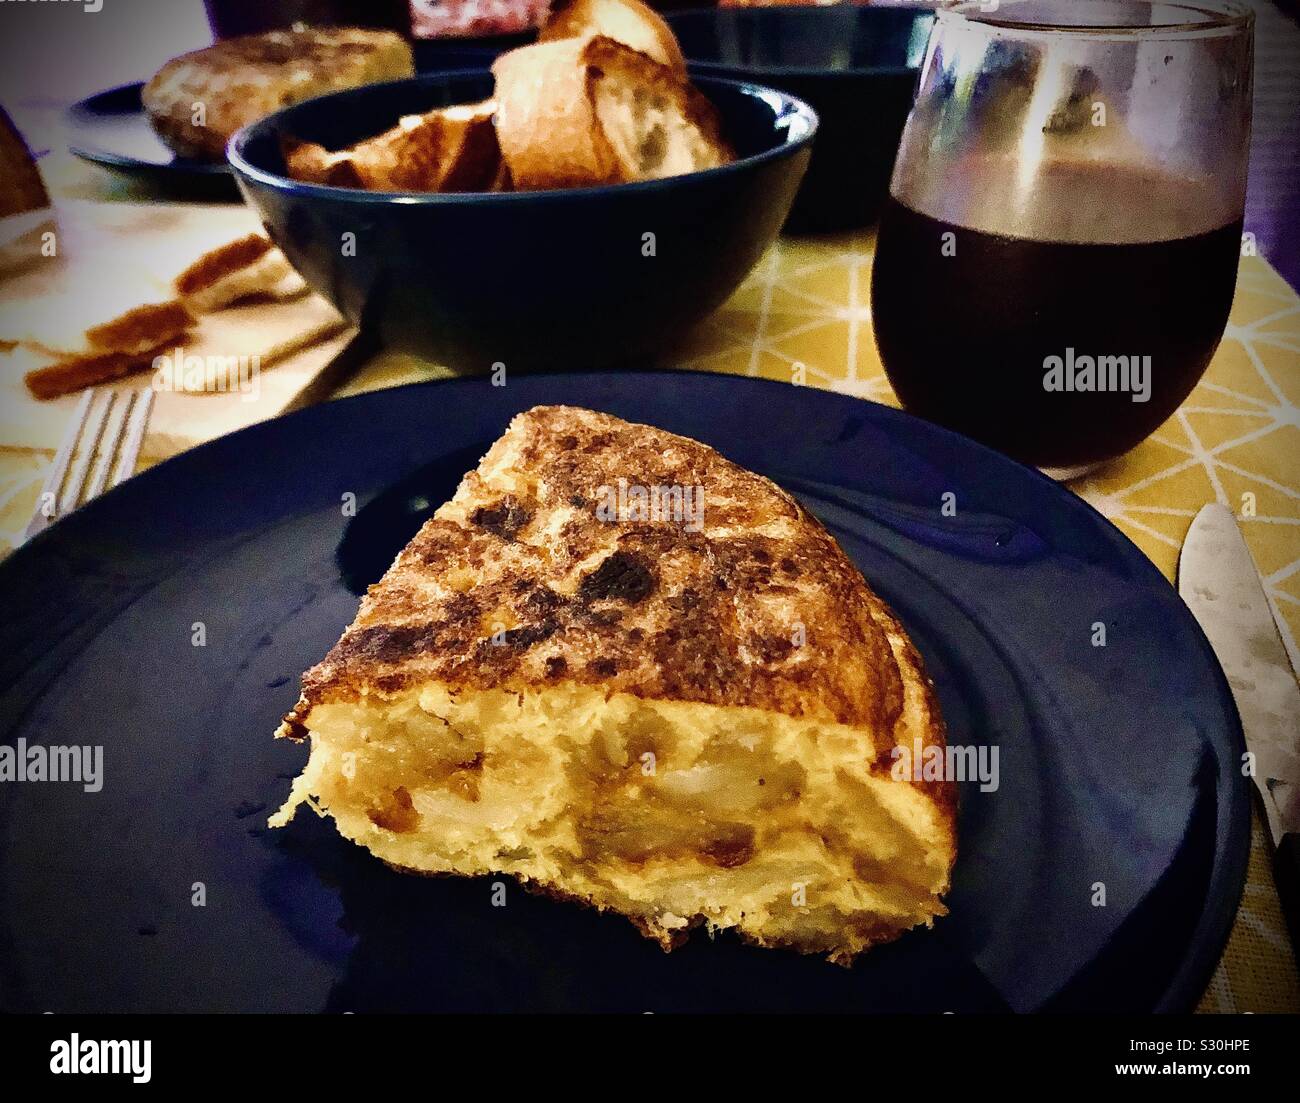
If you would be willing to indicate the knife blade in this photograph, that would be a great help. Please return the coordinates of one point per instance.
(1218, 581)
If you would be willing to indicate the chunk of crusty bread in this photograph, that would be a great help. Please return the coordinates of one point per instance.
(93, 318)
(140, 328)
(627, 21)
(74, 373)
(21, 187)
(588, 111)
(249, 265)
(103, 352)
(243, 79)
(451, 149)
(687, 709)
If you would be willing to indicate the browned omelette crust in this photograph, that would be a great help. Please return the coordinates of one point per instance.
(242, 79)
(647, 608)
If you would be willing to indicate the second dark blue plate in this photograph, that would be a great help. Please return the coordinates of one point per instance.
(110, 129)
(1102, 873)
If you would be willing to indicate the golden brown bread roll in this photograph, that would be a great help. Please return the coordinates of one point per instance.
(197, 101)
(21, 187)
(627, 21)
(587, 111)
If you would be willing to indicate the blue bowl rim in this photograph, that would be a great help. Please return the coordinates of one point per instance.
(738, 69)
(246, 171)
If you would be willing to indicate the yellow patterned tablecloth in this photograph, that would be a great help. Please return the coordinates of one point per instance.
(1235, 440)
(805, 315)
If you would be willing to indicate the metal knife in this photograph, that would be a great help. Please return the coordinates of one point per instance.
(1218, 581)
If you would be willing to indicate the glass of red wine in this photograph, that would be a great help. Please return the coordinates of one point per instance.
(1057, 258)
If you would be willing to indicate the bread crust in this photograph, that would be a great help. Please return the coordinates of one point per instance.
(267, 274)
(451, 149)
(78, 372)
(221, 262)
(630, 22)
(21, 186)
(548, 123)
(546, 119)
(115, 348)
(141, 328)
(243, 79)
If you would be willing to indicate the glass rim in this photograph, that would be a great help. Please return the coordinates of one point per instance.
(1207, 18)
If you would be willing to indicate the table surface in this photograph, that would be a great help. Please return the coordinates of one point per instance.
(804, 316)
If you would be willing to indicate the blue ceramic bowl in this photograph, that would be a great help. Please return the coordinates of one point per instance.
(856, 66)
(582, 278)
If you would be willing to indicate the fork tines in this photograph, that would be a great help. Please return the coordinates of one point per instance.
(100, 448)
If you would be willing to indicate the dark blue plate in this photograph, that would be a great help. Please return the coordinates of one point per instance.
(1119, 765)
(110, 129)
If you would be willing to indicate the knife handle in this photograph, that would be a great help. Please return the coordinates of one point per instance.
(1286, 872)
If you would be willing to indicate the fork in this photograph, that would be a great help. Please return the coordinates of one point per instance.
(107, 430)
